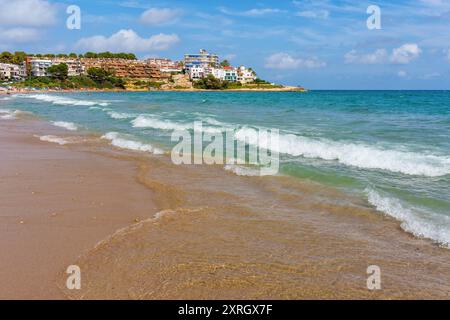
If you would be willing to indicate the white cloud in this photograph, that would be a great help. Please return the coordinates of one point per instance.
(128, 41)
(379, 56)
(401, 55)
(285, 61)
(27, 13)
(317, 14)
(17, 35)
(402, 74)
(155, 16)
(257, 12)
(448, 54)
(405, 53)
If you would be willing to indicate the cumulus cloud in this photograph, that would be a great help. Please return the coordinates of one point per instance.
(317, 14)
(401, 55)
(17, 35)
(285, 61)
(379, 56)
(406, 53)
(32, 13)
(128, 40)
(155, 16)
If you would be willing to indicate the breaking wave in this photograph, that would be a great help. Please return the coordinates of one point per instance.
(7, 114)
(352, 154)
(120, 115)
(423, 224)
(122, 142)
(53, 139)
(66, 125)
(62, 100)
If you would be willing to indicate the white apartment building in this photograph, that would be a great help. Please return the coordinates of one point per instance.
(39, 67)
(245, 75)
(201, 59)
(196, 73)
(74, 66)
(10, 71)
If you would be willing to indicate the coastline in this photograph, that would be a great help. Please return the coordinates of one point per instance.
(167, 240)
(284, 89)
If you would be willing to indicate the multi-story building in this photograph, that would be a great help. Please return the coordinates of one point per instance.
(230, 74)
(10, 71)
(201, 59)
(196, 72)
(38, 67)
(74, 66)
(165, 65)
(245, 75)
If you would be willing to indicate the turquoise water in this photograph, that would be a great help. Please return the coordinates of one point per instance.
(391, 148)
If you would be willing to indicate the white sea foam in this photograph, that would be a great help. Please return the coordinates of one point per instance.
(5, 98)
(425, 225)
(66, 125)
(53, 139)
(243, 170)
(59, 100)
(123, 142)
(358, 155)
(155, 123)
(7, 114)
(120, 115)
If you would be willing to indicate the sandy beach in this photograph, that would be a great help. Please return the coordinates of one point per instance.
(56, 203)
(141, 228)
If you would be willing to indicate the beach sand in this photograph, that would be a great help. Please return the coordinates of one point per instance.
(141, 228)
(56, 203)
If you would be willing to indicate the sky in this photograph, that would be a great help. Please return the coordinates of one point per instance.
(319, 44)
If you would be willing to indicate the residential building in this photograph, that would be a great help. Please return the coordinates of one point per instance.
(38, 67)
(218, 73)
(201, 59)
(230, 74)
(165, 65)
(74, 66)
(196, 72)
(10, 71)
(245, 75)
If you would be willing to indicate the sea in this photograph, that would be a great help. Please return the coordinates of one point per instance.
(389, 149)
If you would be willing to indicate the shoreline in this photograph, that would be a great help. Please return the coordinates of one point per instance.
(26, 91)
(305, 249)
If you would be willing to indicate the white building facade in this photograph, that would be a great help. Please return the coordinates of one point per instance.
(38, 67)
(245, 75)
(196, 73)
(10, 71)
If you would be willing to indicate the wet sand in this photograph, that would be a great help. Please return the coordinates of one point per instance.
(55, 204)
(202, 232)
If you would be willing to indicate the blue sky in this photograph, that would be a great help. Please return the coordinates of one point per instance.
(321, 44)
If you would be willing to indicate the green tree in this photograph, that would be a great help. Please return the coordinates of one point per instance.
(211, 83)
(99, 75)
(225, 63)
(19, 57)
(6, 57)
(58, 71)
